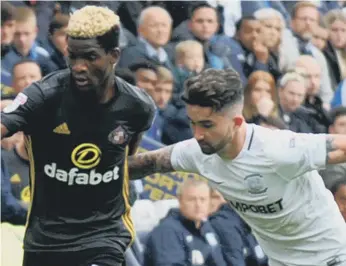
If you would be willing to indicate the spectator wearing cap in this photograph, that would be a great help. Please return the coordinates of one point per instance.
(338, 126)
(24, 42)
(56, 42)
(305, 17)
(154, 30)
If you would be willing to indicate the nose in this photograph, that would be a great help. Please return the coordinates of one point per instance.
(198, 133)
(79, 65)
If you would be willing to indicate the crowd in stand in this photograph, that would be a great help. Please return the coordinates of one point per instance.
(290, 55)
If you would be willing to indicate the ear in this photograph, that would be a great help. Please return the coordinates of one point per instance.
(238, 120)
(331, 129)
(115, 55)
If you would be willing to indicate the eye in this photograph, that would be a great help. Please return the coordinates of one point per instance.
(92, 57)
(207, 125)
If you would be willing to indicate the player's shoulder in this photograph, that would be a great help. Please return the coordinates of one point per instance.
(135, 95)
(53, 83)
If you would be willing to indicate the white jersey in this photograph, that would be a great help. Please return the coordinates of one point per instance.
(274, 186)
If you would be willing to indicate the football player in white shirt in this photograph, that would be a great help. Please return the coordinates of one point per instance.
(269, 176)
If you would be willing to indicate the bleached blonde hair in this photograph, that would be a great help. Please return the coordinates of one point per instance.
(91, 22)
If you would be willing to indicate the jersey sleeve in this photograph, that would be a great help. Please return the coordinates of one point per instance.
(20, 113)
(184, 156)
(146, 113)
(294, 154)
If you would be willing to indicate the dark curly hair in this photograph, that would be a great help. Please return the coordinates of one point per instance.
(214, 88)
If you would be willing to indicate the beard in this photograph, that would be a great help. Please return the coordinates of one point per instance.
(209, 149)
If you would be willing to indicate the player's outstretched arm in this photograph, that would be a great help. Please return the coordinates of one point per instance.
(147, 163)
(336, 149)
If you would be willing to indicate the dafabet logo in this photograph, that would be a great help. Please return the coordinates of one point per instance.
(85, 156)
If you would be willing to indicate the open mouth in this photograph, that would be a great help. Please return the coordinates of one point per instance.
(81, 81)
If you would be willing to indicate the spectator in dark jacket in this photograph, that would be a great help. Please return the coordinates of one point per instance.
(339, 192)
(238, 245)
(185, 237)
(154, 28)
(56, 43)
(13, 210)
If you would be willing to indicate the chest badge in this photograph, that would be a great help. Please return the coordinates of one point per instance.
(255, 184)
(118, 136)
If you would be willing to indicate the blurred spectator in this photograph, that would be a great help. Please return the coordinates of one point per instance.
(154, 29)
(146, 75)
(313, 101)
(272, 27)
(24, 44)
(338, 126)
(185, 236)
(248, 52)
(17, 164)
(189, 59)
(305, 17)
(340, 95)
(7, 26)
(161, 95)
(335, 51)
(319, 37)
(260, 97)
(237, 243)
(292, 94)
(7, 33)
(203, 26)
(56, 42)
(13, 210)
(339, 192)
(24, 73)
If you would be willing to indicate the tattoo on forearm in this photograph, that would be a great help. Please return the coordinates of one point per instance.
(147, 163)
(330, 146)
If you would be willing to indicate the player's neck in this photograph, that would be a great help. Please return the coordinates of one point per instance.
(236, 144)
(109, 93)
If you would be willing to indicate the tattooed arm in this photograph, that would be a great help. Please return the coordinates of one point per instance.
(147, 163)
(336, 149)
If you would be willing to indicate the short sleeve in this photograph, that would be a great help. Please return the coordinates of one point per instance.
(294, 154)
(184, 155)
(18, 115)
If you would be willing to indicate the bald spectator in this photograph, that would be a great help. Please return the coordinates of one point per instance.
(313, 101)
(335, 51)
(154, 31)
(185, 236)
(24, 73)
(305, 18)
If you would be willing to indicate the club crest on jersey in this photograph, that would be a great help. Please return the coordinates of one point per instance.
(255, 184)
(118, 136)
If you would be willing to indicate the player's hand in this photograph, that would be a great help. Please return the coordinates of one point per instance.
(261, 52)
(265, 106)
